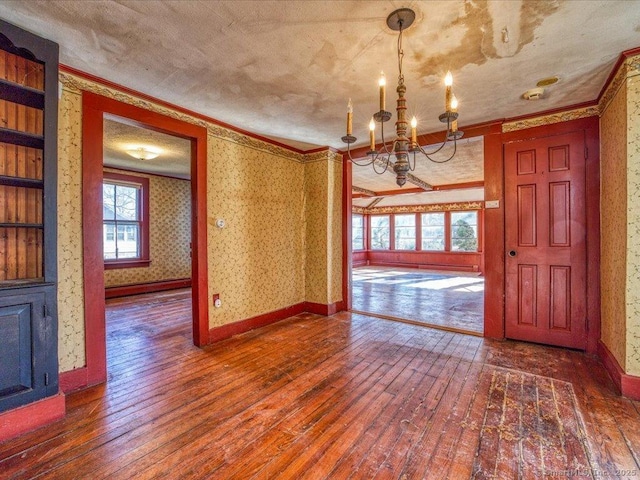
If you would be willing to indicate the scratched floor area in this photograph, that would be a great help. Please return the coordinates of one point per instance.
(341, 397)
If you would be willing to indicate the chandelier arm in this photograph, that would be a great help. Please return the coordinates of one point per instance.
(384, 148)
(386, 166)
(357, 162)
(414, 162)
(455, 147)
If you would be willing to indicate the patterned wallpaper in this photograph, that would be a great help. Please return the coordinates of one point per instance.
(323, 231)
(613, 205)
(169, 233)
(256, 262)
(633, 223)
(70, 275)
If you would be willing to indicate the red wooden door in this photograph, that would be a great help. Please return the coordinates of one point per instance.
(545, 240)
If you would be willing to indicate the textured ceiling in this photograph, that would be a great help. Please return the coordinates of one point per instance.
(285, 69)
(173, 160)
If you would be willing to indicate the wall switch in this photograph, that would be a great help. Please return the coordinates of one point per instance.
(216, 300)
(492, 204)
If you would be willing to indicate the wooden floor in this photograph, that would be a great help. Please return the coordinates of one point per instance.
(453, 300)
(341, 397)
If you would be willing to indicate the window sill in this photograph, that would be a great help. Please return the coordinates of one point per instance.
(126, 264)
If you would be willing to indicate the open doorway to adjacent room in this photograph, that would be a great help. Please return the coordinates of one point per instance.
(418, 251)
(146, 202)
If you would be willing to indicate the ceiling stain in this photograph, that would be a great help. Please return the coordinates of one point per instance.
(476, 47)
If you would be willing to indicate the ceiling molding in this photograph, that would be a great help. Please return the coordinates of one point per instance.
(459, 186)
(434, 207)
(364, 192)
(374, 203)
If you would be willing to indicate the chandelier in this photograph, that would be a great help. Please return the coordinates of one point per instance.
(402, 146)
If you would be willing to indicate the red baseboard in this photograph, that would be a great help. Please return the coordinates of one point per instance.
(74, 380)
(628, 385)
(226, 331)
(35, 415)
(126, 290)
(427, 266)
(322, 309)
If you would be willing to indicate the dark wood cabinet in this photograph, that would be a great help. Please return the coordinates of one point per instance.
(28, 240)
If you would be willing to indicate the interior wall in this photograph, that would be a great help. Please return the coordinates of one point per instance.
(323, 228)
(620, 218)
(613, 204)
(256, 262)
(633, 223)
(71, 338)
(169, 233)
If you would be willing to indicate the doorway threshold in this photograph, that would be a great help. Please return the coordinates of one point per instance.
(415, 322)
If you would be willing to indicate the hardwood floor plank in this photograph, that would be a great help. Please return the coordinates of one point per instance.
(346, 396)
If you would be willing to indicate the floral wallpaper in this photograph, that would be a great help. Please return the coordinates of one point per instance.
(323, 230)
(275, 203)
(633, 223)
(620, 212)
(256, 261)
(70, 275)
(169, 233)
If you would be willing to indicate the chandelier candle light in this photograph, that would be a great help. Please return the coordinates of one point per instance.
(401, 146)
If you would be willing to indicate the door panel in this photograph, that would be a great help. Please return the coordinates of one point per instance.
(545, 240)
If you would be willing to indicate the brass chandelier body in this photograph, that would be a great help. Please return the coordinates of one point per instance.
(402, 146)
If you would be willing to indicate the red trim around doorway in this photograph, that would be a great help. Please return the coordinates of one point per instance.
(93, 109)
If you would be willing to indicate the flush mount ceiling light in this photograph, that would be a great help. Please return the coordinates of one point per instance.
(381, 160)
(143, 153)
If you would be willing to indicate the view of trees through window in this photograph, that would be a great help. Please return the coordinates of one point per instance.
(380, 232)
(433, 235)
(464, 231)
(405, 232)
(121, 221)
(357, 232)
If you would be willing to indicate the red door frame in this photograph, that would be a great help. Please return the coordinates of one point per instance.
(93, 109)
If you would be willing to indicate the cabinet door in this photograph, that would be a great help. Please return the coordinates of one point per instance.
(24, 376)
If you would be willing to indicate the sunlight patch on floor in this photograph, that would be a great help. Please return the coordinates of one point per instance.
(442, 283)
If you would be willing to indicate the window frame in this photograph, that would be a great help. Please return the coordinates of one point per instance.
(142, 183)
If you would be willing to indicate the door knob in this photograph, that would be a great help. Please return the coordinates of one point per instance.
(512, 253)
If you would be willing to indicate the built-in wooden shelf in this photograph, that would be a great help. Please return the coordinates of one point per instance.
(21, 182)
(23, 139)
(21, 94)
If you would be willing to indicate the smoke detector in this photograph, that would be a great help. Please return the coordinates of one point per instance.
(533, 94)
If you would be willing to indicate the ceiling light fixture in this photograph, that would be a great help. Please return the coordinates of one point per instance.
(143, 153)
(398, 21)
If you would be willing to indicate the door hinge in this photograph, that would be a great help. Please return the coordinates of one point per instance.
(45, 310)
(46, 379)
(586, 152)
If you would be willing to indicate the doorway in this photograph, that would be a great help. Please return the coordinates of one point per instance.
(95, 107)
(417, 253)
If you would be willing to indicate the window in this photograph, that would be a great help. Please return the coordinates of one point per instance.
(125, 222)
(433, 234)
(380, 232)
(464, 231)
(405, 232)
(357, 232)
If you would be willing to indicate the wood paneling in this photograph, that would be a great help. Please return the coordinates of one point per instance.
(349, 397)
(21, 169)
